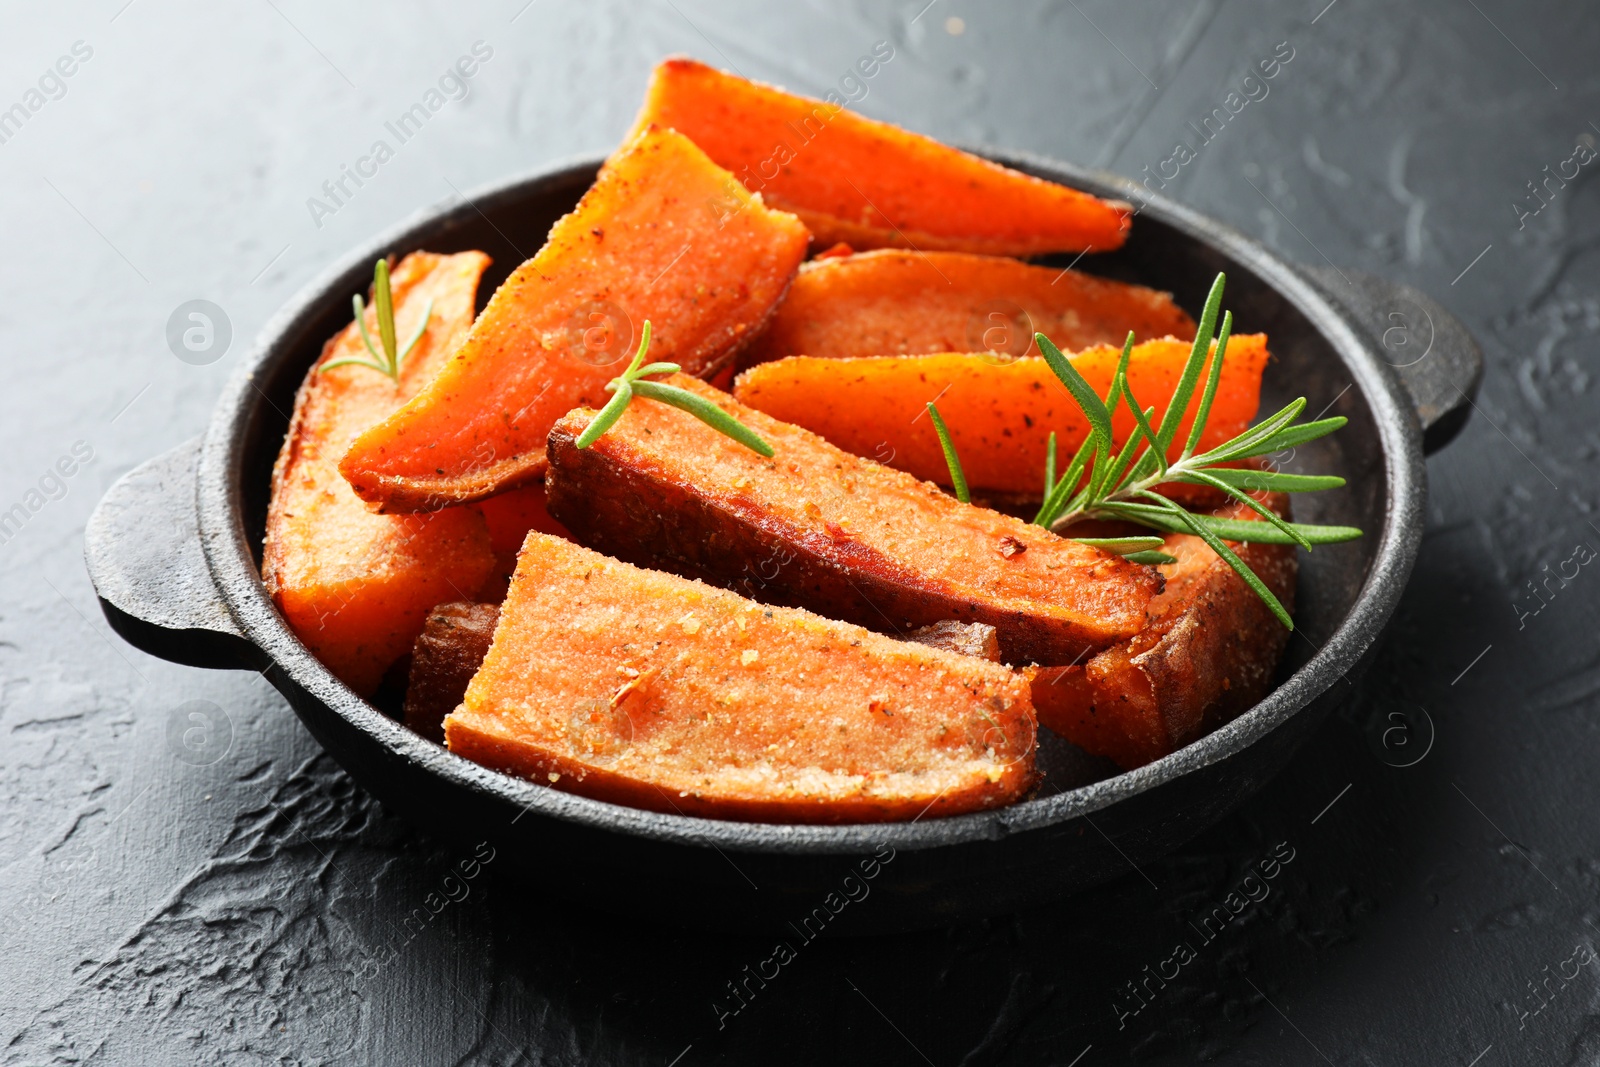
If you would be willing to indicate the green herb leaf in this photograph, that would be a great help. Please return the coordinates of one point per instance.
(1122, 545)
(1202, 414)
(958, 478)
(1141, 415)
(607, 416)
(1298, 435)
(1179, 404)
(635, 365)
(1094, 409)
(1050, 464)
(1056, 500)
(387, 359)
(630, 384)
(705, 411)
(360, 311)
(1266, 513)
(1245, 445)
(1151, 557)
(1119, 475)
(1229, 529)
(383, 305)
(352, 361)
(1252, 480)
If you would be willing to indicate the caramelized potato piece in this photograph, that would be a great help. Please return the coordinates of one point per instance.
(1000, 416)
(648, 241)
(355, 586)
(447, 654)
(896, 303)
(868, 183)
(819, 528)
(1208, 654)
(968, 638)
(654, 691)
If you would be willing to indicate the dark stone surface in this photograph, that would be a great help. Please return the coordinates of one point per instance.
(227, 896)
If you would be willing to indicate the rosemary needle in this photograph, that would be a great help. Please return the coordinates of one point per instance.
(387, 360)
(958, 477)
(631, 383)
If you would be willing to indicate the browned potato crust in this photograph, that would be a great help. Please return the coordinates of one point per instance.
(968, 638)
(1208, 654)
(454, 641)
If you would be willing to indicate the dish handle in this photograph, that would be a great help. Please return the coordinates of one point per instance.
(142, 548)
(1434, 355)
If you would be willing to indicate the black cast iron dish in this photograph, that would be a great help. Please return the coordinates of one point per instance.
(173, 551)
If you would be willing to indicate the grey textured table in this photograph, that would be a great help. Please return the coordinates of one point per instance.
(163, 902)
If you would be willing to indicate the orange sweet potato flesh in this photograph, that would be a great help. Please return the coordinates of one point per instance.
(870, 184)
(355, 585)
(821, 529)
(646, 242)
(1208, 654)
(509, 516)
(892, 303)
(1000, 415)
(650, 690)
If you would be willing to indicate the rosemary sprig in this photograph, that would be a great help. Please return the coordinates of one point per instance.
(631, 383)
(388, 360)
(958, 477)
(1098, 484)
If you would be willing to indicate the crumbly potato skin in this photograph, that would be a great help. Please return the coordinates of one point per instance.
(448, 652)
(968, 638)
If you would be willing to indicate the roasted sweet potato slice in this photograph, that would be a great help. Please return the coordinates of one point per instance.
(1208, 654)
(650, 690)
(895, 303)
(1000, 415)
(647, 242)
(819, 528)
(449, 651)
(510, 515)
(868, 183)
(353, 585)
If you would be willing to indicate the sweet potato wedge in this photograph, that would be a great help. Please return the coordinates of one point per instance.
(654, 691)
(1000, 415)
(354, 585)
(868, 183)
(646, 242)
(819, 528)
(448, 652)
(1208, 654)
(896, 303)
(510, 515)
